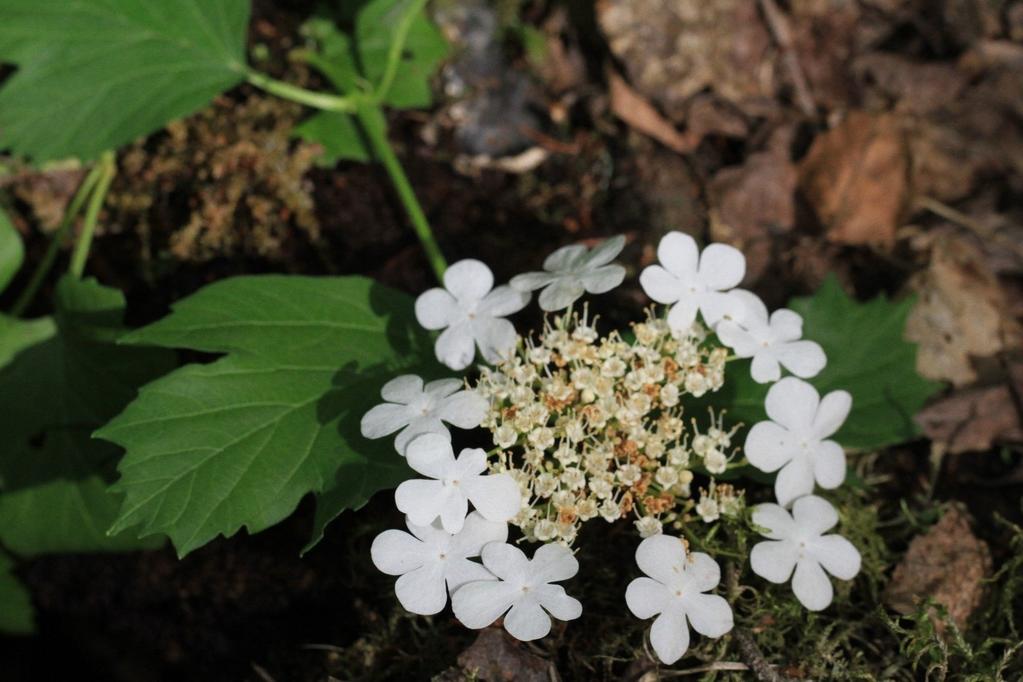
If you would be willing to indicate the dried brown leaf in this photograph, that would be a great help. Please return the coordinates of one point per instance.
(496, 657)
(630, 106)
(972, 420)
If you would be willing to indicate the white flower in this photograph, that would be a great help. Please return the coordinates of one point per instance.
(693, 281)
(707, 509)
(523, 586)
(456, 482)
(431, 558)
(771, 342)
(794, 439)
(796, 542)
(418, 409)
(675, 590)
(573, 269)
(470, 314)
(648, 526)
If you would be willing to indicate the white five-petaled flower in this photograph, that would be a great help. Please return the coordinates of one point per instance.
(674, 592)
(418, 409)
(523, 586)
(795, 439)
(573, 269)
(431, 562)
(796, 542)
(771, 342)
(453, 483)
(471, 313)
(693, 281)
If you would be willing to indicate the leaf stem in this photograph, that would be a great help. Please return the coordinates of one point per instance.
(44, 266)
(81, 253)
(370, 117)
(394, 52)
(318, 100)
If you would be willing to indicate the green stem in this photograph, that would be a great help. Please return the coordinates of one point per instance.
(397, 46)
(43, 269)
(318, 100)
(370, 118)
(81, 252)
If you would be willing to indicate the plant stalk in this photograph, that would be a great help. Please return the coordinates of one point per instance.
(318, 100)
(46, 264)
(84, 243)
(397, 47)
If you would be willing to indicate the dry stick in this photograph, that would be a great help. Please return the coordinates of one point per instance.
(779, 28)
(749, 652)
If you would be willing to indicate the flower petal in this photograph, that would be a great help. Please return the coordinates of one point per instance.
(805, 359)
(459, 572)
(417, 428)
(502, 301)
(553, 562)
(646, 597)
(716, 306)
(811, 585)
(384, 419)
(531, 281)
(786, 325)
(558, 603)
(831, 414)
(506, 561)
(468, 280)
(395, 552)
(661, 557)
(456, 346)
(765, 367)
(813, 515)
(561, 293)
(496, 338)
(721, 267)
(452, 513)
(471, 462)
(431, 455)
(709, 614)
(565, 258)
(604, 252)
(496, 496)
(700, 572)
(769, 446)
(436, 309)
(423, 590)
(477, 605)
(477, 533)
(751, 307)
(403, 389)
(737, 338)
(527, 621)
(603, 279)
(421, 500)
(836, 555)
(775, 520)
(669, 636)
(829, 465)
(679, 255)
(794, 480)
(682, 315)
(660, 285)
(465, 409)
(792, 403)
(442, 388)
(773, 560)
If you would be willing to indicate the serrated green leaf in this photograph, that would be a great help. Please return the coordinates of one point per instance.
(423, 51)
(867, 356)
(62, 378)
(95, 74)
(238, 442)
(12, 251)
(16, 614)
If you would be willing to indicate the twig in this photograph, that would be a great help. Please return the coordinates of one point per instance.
(779, 28)
(262, 673)
(749, 652)
(959, 218)
(722, 666)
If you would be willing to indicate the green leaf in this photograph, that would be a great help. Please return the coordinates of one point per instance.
(867, 356)
(238, 442)
(16, 614)
(423, 51)
(95, 74)
(12, 251)
(340, 136)
(62, 378)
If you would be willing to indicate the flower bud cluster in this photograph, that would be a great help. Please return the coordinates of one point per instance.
(593, 427)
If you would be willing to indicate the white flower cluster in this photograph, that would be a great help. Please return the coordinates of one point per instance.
(587, 426)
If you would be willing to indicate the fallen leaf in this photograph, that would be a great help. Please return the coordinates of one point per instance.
(638, 113)
(948, 563)
(855, 179)
(960, 314)
(973, 420)
(496, 657)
